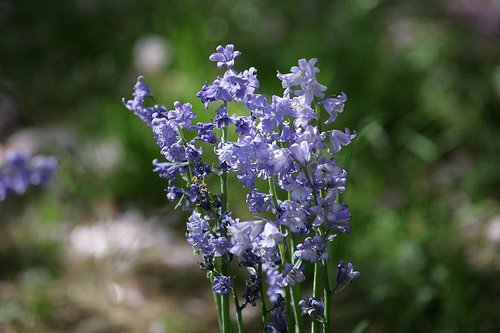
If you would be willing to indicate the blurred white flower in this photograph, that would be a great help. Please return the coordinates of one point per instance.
(152, 53)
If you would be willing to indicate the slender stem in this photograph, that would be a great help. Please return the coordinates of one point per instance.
(299, 324)
(217, 300)
(296, 292)
(326, 299)
(226, 321)
(315, 325)
(225, 315)
(262, 295)
(238, 311)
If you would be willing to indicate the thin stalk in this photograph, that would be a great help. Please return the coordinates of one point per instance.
(238, 311)
(262, 295)
(226, 320)
(225, 316)
(217, 300)
(315, 325)
(326, 299)
(296, 293)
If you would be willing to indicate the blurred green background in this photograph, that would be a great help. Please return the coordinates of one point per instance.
(103, 251)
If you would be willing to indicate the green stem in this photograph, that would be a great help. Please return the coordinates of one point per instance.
(238, 311)
(326, 299)
(262, 295)
(315, 325)
(296, 292)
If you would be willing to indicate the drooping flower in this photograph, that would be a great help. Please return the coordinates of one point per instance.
(313, 307)
(345, 274)
(334, 106)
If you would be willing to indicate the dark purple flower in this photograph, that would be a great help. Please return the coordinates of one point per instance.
(206, 132)
(224, 56)
(345, 274)
(252, 290)
(222, 285)
(279, 323)
(313, 307)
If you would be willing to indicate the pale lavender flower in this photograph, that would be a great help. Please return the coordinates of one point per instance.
(334, 106)
(312, 249)
(224, 56)
(291, 276)
(339, 139)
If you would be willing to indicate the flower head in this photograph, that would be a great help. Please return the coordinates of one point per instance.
(224, 56)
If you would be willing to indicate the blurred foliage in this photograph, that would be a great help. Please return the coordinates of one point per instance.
(423, 80)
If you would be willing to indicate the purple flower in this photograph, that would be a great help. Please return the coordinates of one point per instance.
(224, 56)
(198, 235)
(21, 171)
(334, 106)
(301, 152)
(313, 307)
(291, 276)
(331, 214)
(252, 290)
(312, 249)
(243, 235)
(206, 132)
(258, 202)
(182, 115)
(273, 275)
(279, 323)
(339, 139)
(222, 285)
(345, 274)
(294, 216)
(304, 76)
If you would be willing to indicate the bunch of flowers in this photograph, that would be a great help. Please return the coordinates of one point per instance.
(284, 159)
(19, 172)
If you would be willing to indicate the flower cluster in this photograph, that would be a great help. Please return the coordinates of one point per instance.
(280, 154)
(19, 172)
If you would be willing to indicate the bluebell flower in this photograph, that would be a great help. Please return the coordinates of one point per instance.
(279, 323)
(304, 76)
(312, 249)
(334, 106)
(333, 215)
(313, 307)
(222, 119)
(291, 276)
(173, 193)
(327, 174)
(301, 152)
(198, 233)
(294, 216)
(339, 139)
(21, 171)
(345, 275)
(252, 290)
(222, 285)
(224, 56)
(243, 235)
(272, 276)
(167, 169)
(258, 202)
(206, 132)
(182, 115)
